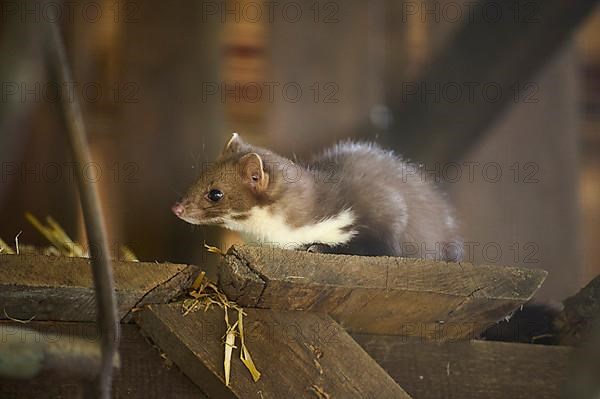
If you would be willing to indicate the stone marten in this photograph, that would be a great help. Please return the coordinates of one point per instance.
(354, 198)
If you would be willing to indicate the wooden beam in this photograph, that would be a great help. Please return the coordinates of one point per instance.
(471, 369)
(143, 374)
(61, 288)
(379, 295)
(580, 312)
(457, 369)
(500, 45)
(299, 354)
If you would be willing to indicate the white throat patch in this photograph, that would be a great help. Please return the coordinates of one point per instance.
(271, 229)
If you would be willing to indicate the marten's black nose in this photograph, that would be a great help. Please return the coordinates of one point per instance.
(178, 209)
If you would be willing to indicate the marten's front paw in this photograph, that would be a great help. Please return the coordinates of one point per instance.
(318, 249)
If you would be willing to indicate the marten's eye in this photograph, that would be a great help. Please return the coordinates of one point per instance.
(215, 195)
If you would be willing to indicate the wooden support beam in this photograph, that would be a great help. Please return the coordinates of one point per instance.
(61, 288)
(471, 369)
(143, 373)
(379, 295)
(457, 369)
(580, 312)
(299, 354)
(499, 47)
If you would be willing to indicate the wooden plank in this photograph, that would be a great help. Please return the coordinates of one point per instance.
(580, 312)
(143, 373)
(61, 288)
(491, 60)
(299, 354)
(379, 295)
(471, 369)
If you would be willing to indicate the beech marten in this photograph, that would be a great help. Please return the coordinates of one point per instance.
(354, 198)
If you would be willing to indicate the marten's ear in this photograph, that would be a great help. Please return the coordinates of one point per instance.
(234, 145)
(251, 168)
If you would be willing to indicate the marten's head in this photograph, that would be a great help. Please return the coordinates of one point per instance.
(228, 188)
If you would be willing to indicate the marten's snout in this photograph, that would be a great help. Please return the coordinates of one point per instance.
(185, 210)
(178, 209)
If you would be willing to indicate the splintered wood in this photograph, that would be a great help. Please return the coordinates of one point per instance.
(299, 354)
(379, 295)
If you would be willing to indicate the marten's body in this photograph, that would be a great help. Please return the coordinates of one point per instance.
(354, 199)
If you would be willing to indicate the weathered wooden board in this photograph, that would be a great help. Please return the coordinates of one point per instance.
(143, 373)
(379, 295)
(470, 369)
(299, 354)
(61, 288)
(460, 369)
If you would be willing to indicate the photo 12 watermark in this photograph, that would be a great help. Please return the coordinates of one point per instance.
(490, 172)
(270, 92)
(469, 92)
(324, 12)
(40, 11)
(472, 12)
(87, 92)
(54, 172)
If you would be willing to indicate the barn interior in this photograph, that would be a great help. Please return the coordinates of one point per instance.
(497, 101)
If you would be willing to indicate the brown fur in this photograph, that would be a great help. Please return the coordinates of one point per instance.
(397, 213)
